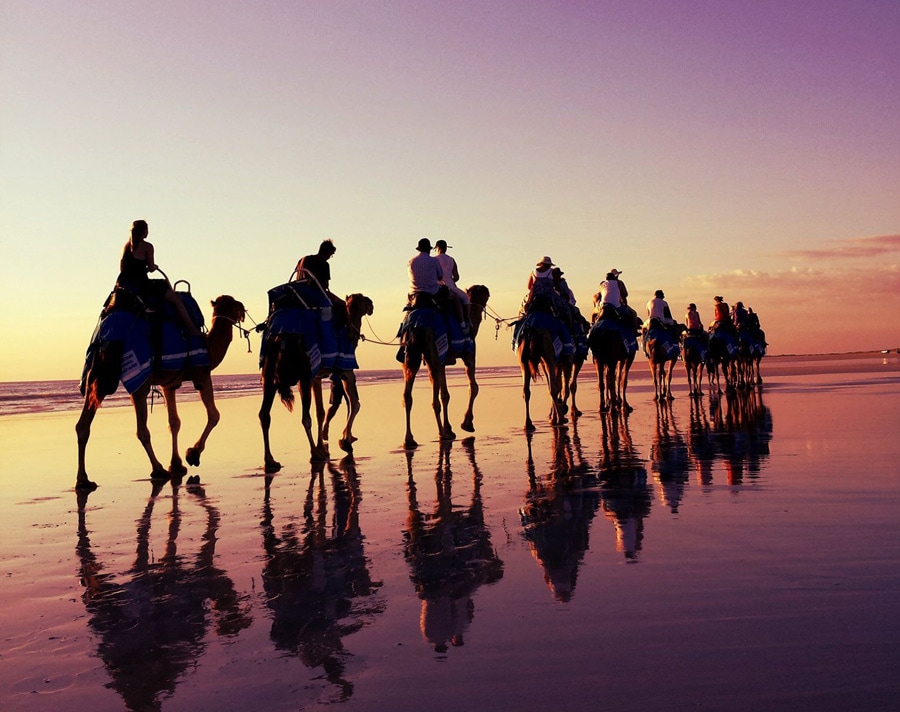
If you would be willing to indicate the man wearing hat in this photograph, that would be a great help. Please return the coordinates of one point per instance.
(451, 277)
(425, 273)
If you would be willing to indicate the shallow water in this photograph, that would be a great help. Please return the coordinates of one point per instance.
(737, 553)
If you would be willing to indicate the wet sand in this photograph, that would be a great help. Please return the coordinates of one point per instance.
(732, 553)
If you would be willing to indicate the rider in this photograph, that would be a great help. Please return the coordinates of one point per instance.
(425, 273)
(458, 297)
(612, 293)
(315, 267)
(721, 317)
(658, 310)
(739, 316)
(540, 282)
(134, 267)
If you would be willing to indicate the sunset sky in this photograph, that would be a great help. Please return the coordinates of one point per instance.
(745, 149)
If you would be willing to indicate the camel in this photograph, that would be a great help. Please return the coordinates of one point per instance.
(536, 354)
(344, 379)
(613, 361)
(286, 364)
(718, 356)
(478, 299)
(419, 345)
(691, 354)
(106, 368)
(662, 361)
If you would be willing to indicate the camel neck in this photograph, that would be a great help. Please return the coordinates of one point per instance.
(219, 339)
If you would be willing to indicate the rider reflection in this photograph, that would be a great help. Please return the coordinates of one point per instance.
(624, 494)
(153, 621)
(557, 513)
(449, 552)
(669, 458)
(316, 578)
(742, 429)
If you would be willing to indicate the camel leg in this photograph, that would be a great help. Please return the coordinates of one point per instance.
(573, 388)
(207, 396)
(335, 398)
(351, 392)
(265, 420)
(440, 401)
(526, 395)
(176, 466)
(670, 369)
(602, 381)
(139, 399)
(623, 383)
(410, 370)
(468, 419)
(321, 448)
(306, 397)
(83, 432)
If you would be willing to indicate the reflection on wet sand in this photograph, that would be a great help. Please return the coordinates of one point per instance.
(449, 552)
(153, 626)
(737, 432)
(669, 458)
(624, 493)
(317, 582)
(558, 510)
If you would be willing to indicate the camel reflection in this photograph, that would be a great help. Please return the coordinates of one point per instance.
(624, 494)
(737, 432)
(153, 620)
(316, 577)
(669, 458)
(558, 510)
(449, 552)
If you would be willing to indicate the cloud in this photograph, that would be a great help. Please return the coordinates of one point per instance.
(854, 248)
(796, 282)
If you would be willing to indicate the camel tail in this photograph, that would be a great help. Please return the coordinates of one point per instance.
(288, 366)
(531, 359)
(103, 372)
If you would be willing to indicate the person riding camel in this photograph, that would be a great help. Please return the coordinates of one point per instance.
(136, 264)
(613, 293)
(425, 273)
(692, 321)
(540, 284)
(754, 325)
(315, 267)
(658, 312)
(721, 315)
(458, 298)
(739, 316)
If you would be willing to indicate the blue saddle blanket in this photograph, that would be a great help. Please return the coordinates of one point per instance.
(628, 336)
(666, 338)
(175, 352)
(448, 334)
(726, 339)
(563, 344)
(695, 342)
(327, 346)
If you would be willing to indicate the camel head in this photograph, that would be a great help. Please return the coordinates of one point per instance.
(478, 294)
(229, 308)
(359, 305)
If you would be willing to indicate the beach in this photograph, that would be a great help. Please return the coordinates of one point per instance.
(726, 553)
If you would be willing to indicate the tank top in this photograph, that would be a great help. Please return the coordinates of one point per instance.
(132, 271)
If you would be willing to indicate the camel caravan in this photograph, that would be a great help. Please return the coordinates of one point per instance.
(551, 339)
(151, 337)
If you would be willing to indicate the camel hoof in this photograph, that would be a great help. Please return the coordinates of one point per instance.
(159, 476)
(670, 397)
(468, 426)
(85, 485)
(177, 469)
(346, 444)
(193, 480)
(410, 444)
(529, 427)
(318, 455)
(576, 413)
(272, 467)
(192, 456)
(448, 435)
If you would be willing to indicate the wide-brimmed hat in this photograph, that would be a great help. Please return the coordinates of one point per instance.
(545, 261)
(614, 272)
(424, 245)
(442, 244)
